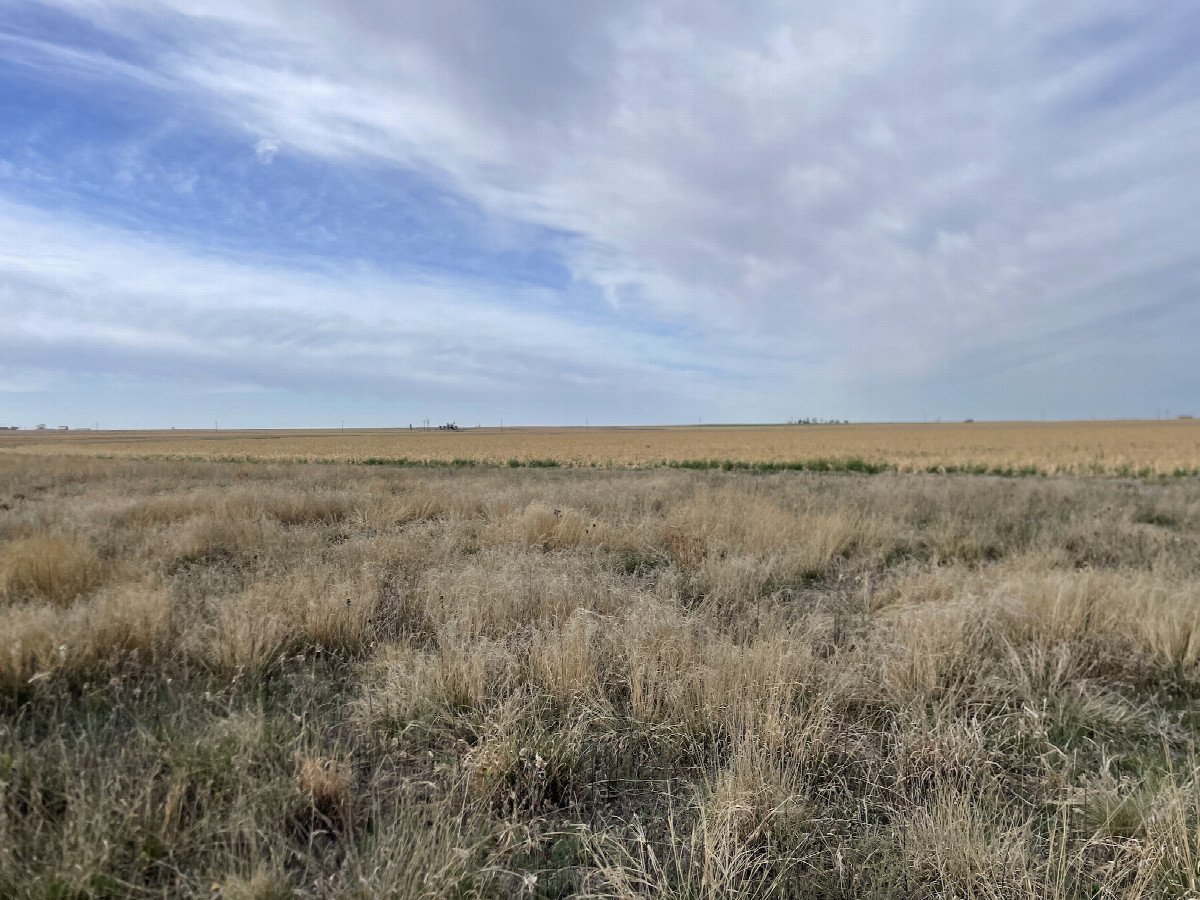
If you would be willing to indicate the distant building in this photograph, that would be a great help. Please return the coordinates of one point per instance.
(63, 428)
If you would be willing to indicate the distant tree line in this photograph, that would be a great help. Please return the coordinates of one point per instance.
(818, 421)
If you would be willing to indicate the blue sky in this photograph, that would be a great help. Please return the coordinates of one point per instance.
(293, 214)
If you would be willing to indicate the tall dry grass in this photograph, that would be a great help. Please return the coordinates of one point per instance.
(309, 610)
(326, 681)
(46, 641)
(49, 567)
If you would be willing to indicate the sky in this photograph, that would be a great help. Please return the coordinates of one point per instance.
(299, 214)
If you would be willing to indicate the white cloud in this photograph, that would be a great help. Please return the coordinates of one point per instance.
(92, 302)
(266, 150)
(910, 193)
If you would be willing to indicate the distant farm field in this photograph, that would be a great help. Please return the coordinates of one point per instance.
(1145, 448)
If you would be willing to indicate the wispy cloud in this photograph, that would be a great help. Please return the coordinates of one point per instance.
(89, 303)
(855, 209)
(266, 150)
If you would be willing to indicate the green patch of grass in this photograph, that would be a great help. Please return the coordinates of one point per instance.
(700, 464)
(818, 464)
(640, 563)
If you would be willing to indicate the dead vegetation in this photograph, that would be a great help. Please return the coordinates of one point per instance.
(49, 567)
(1154, 448)
(325, 681)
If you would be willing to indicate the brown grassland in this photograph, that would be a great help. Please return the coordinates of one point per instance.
(1088, 448)
(271, 680)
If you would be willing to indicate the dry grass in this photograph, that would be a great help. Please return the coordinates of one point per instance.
(253, 628)
(324, 780)
(43, 641)
(1086, 448)
(330, 681)
(49, 567)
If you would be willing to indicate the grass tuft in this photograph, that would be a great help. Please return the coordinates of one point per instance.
(49, 567)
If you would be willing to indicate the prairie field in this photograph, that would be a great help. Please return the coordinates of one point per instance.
(1124, 448)
(285, 679)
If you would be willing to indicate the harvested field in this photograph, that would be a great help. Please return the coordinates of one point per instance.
(339, 681)
(1126, 448)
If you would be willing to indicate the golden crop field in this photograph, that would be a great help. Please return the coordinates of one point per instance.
(1088, 448)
